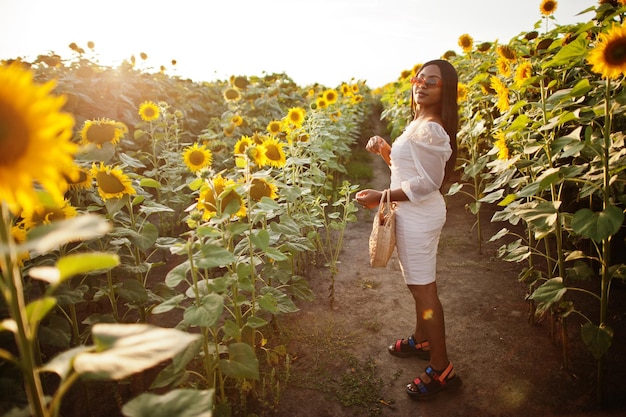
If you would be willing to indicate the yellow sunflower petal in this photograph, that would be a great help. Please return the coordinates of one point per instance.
(35, 139)
(608, 58)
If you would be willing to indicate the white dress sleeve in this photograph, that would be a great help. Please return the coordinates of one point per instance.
(429, 147)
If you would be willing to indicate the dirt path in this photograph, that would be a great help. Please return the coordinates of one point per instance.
(509, 368)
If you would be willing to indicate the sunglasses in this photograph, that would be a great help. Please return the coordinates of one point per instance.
(431, 82)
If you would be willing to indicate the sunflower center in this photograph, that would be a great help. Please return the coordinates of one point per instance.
(109, 183)
(101, 133)
(149, 113)
(272, 153)
(259, 189)
(14, 134)
(615, 53)
(196, 158)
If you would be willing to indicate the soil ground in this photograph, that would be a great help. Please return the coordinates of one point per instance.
(509, 366)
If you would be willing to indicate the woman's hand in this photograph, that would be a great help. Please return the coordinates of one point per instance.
(379, 146)
(369, 198)
(375, 145)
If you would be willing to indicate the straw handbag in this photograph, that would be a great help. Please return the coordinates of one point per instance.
(383, 236)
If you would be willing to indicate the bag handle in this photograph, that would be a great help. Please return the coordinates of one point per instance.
(382, 206)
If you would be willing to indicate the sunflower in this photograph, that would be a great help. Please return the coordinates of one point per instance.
(608, 58)
(242, 144)
(19, 236)
(220, 190)
(35, 139)
(241, 82)
(500, 143)
(547, 7)
(321, 103)
(46, 214)
(274, 127)
(462, 92)
(257, 154)
(81, 178)
(345, 89)
(99, 132)
(503, 93)
(504, 66)
(295, 115)
(260, 188)
(231, 94)
(484, 46)
(334, 116)
(257, 138)
(236, 120)
(404, 75)
(357, 98)
(197, 157)
(229, 130)
(112, 182)
(466, 42)
(523, 72)
(506, 52)
(330, 96)
(274, 152)
(148, 111)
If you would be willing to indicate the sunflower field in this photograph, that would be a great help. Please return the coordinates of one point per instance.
(156, 197)
(156, 225)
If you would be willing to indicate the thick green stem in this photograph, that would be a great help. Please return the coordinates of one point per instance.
(606, 243)
(13, 294)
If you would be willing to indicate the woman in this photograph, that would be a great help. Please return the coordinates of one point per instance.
(420, 160)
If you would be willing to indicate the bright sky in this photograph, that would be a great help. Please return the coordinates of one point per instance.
(325, 41)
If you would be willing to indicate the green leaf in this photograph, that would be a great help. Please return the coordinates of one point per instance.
(175, 373)
(580, 271)
(570, 54)
(548, 293)
(207, 314)
(125, 349)
(178, 274)
(38, 309)
(130, 161)
(275, 254)
(146, 238)
(597, 338)
(168, 305)
(260, 239)
(72, 265)
(214, 256)
(508, 199)
(454, 188)
(133, 291)
(597, 225)
(241, 362)
(149, 183)
(231, 329)
(581, 88)
(61, 364)
(48, 237)
(284, 303)
(268, 303)
(179, 402)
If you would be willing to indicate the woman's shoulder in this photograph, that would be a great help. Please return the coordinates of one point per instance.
(427, 130)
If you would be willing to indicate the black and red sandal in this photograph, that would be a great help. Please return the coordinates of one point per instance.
(411, 348)
(438, 381)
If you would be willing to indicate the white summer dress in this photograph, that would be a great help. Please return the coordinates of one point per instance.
(418, 160)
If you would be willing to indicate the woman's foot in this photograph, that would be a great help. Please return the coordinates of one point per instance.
(405, 348)
(432, 382)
